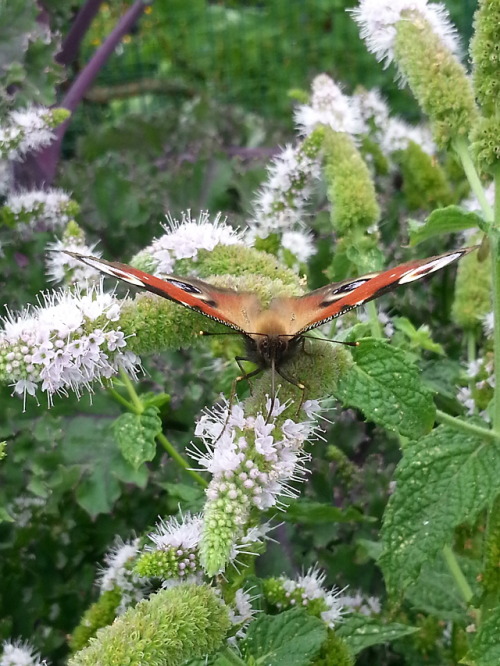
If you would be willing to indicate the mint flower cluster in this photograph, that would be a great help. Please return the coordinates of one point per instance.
(185, 238)
(28, 129)
(61, 267)
(118, 573)
(330, 107)
(64, 344)
(174, 554)
(47, 209)
(378, 21)
(19, 653)
(280, 205)
(307, 591)
(253, 460)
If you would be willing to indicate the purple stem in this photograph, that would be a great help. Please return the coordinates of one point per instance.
(72, 41)
(41, 167)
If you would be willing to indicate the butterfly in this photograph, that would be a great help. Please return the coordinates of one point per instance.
(274, 334)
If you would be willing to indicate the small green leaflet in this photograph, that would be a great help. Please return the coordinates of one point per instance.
(443, 221)
(443, 480)
(360, 631)
(135, 434)
(291, 638)
(386, 387)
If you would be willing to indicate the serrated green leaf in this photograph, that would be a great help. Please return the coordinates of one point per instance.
(305, 511)
(443, 480)
(386, 387)
(485, 650)
(360, 631)
(136, 433)
(443, 221)
(291, 638)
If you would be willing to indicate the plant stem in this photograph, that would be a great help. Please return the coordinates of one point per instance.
(136, 401)
(457, 573)
(228, 657)
(495, 275)
(375, 328)
(465, 426)
(462, 151)
(471, 353)
(137, 407)
(173, 453)
(73, 40)
(46, 160)
(471, 346)
(119, 398)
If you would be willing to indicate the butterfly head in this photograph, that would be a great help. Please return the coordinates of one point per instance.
(268, 349)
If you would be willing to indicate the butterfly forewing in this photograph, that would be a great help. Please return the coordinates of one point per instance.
(285, 317)
(327, 303)
(227, 306)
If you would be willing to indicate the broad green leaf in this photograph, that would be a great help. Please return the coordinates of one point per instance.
(136, 433)
(485, 650)
(91, 456)
(386, 387)
(443, 221)
(291, 638)
(442, 376)
(305, 511)
(98, 492)
(443, 480)
(436, 593)
(360, 631)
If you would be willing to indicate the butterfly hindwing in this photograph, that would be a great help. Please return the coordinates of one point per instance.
(327, 303)
(229, 307)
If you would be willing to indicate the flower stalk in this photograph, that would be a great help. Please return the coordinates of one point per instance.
(495, 267)
(137, 406)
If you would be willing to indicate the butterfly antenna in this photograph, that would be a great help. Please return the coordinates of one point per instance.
(337, 342)
(207, 333)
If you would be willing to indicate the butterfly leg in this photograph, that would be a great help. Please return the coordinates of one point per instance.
(291, 380)
(244, 373)
(236, 380)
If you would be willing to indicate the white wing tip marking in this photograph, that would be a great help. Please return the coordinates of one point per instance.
(430, 267)
(112, 271)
